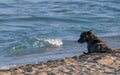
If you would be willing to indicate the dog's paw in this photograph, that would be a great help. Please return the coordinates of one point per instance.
(85, 53)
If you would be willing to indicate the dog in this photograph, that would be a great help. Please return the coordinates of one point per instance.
(94, 44)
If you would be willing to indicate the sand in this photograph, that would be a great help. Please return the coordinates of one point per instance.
(93, 64)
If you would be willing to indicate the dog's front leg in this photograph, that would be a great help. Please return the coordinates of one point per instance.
(89, 50)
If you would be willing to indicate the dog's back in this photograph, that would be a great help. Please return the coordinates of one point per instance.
(99, 47)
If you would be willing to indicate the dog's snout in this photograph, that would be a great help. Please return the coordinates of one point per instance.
(81, 40)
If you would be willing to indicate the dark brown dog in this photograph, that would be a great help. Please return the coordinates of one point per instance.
(94, 44)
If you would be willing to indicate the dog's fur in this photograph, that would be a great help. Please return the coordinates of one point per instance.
(94, 44)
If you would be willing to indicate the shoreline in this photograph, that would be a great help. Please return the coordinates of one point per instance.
(93, 64)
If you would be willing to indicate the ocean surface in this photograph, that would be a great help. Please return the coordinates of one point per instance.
(33, 31)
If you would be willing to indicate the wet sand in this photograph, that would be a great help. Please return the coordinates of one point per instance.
(93, 64)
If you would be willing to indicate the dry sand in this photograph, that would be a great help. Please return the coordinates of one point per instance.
(93, 64)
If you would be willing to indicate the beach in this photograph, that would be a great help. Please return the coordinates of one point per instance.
(92, 64)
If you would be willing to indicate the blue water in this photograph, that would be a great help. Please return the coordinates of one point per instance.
(39, 30)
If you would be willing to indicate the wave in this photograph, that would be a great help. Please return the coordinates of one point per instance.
(110, 35)
(40, 18)
(30, 46)
(6, 67)
(55, 42)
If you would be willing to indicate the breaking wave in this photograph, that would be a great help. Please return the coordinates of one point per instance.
(35, 45)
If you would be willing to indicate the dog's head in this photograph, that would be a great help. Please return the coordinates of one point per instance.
(84, 36)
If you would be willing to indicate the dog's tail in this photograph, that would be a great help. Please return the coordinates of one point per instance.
(116, 50)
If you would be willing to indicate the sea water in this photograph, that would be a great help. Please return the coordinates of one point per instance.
(33, 31)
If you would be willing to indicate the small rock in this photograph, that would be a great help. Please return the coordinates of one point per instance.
(50, 73)
(42, 73)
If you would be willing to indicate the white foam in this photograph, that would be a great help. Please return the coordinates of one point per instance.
(56, 42)
(7, 67)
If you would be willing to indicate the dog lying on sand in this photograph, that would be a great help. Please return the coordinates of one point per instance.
(94, 44)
